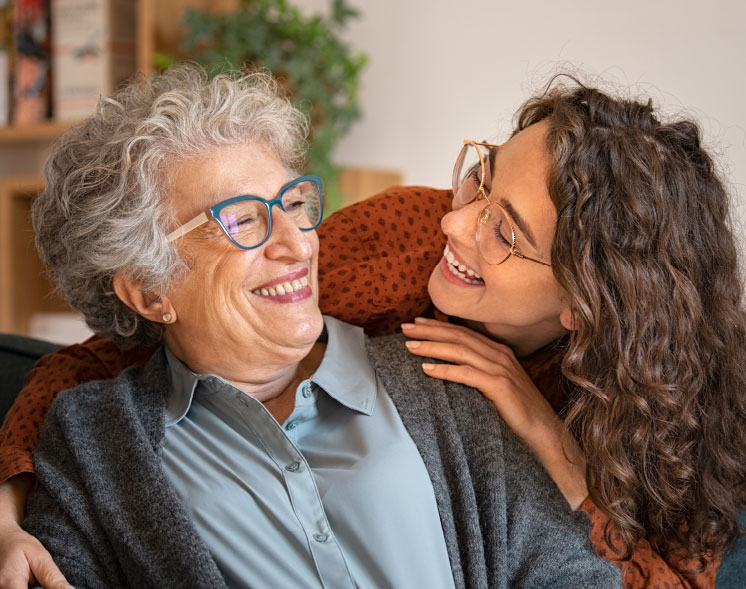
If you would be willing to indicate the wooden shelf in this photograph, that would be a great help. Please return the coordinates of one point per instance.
(39, 132)
(24, 286)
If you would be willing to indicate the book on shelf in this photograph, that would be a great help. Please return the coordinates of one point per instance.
(93, 51)
(5, 53)
(31, 100)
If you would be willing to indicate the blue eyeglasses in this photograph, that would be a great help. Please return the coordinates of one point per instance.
(247, 220)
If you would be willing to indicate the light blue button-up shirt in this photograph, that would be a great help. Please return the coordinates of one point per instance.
(337, 496)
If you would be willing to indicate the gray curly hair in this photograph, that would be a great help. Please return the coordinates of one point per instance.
(103, 209)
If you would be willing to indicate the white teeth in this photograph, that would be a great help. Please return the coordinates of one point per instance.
(459, 269)
(284, 288)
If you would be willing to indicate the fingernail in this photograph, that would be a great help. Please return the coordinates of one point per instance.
(411, 344)
(420, 320)
(427, 367)
(408, 326)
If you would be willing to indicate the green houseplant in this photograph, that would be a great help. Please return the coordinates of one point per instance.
(305, 53)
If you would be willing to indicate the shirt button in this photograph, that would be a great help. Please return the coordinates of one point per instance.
(293, 466)
(320, 537)
(291, 425)
(306, 390)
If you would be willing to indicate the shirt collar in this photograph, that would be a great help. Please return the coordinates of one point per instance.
(345, 373)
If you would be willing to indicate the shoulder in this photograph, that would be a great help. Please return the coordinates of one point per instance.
(376, 256)
(135, 394)
(421, 399)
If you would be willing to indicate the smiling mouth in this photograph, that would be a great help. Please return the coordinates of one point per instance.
(461, 270)
(283, 288)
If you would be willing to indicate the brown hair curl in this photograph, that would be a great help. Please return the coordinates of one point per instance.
(657, 361)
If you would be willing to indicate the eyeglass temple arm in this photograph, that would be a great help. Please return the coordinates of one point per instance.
(200, 219)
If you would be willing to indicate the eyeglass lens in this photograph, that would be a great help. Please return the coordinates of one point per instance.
(468, 172)
(495, 235)
(247, 221)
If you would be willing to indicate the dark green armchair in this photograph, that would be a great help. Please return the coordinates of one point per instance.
(17, 355)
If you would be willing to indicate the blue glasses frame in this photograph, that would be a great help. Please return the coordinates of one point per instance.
(215, 209)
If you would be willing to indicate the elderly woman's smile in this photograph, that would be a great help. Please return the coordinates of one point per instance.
(286, 289)
(234, 303)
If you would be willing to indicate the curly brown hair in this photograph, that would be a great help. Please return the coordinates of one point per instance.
(645, 251)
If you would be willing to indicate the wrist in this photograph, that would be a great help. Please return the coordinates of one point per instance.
(564, 460)
(13, 495)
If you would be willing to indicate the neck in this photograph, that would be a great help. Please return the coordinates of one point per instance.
(273, 384)
(524, 342)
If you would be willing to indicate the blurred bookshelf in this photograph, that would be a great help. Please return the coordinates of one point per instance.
(43, 131)
(27, 302)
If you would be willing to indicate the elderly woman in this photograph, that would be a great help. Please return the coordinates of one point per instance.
(262, 444)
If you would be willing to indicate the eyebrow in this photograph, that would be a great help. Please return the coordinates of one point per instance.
(518, 220)
(514, 215)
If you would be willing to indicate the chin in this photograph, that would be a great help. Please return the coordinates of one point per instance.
(438, 292)
(308, 329)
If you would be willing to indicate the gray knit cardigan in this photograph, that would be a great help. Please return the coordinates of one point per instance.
(110, 518)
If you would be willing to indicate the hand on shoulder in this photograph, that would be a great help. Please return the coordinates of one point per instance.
(491, 367)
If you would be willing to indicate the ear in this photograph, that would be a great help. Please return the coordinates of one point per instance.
(567, 319)
(149, 305)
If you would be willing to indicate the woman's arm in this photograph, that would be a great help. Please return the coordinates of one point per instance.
(479, 362)
(95, 359)
(23, 558)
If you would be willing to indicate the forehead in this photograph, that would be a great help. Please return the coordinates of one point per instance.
(520, 175)
(201, 181)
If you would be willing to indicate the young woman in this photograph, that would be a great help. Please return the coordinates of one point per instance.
(603, 233)
(594, 246)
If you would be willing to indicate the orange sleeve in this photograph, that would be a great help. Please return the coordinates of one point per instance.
(375, 261)
(94, 359)
(646, 568)
(376, 257)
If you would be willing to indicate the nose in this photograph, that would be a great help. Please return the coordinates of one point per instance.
(287, 240)
(460, 224)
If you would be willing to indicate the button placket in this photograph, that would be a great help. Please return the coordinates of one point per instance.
(298, 479)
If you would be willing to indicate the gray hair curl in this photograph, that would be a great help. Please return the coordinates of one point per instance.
(103, 210)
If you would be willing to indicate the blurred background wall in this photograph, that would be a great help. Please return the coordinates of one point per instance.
(440, 71)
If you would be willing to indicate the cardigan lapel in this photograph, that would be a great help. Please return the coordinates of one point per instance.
(426, 413)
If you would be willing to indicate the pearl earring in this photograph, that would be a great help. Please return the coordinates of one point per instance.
(167, 317)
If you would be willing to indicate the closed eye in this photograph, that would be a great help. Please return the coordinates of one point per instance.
(499, 235)
(295, 204)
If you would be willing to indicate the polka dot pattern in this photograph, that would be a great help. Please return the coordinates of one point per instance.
(376, 257)
(646, 568)
(375, 261)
